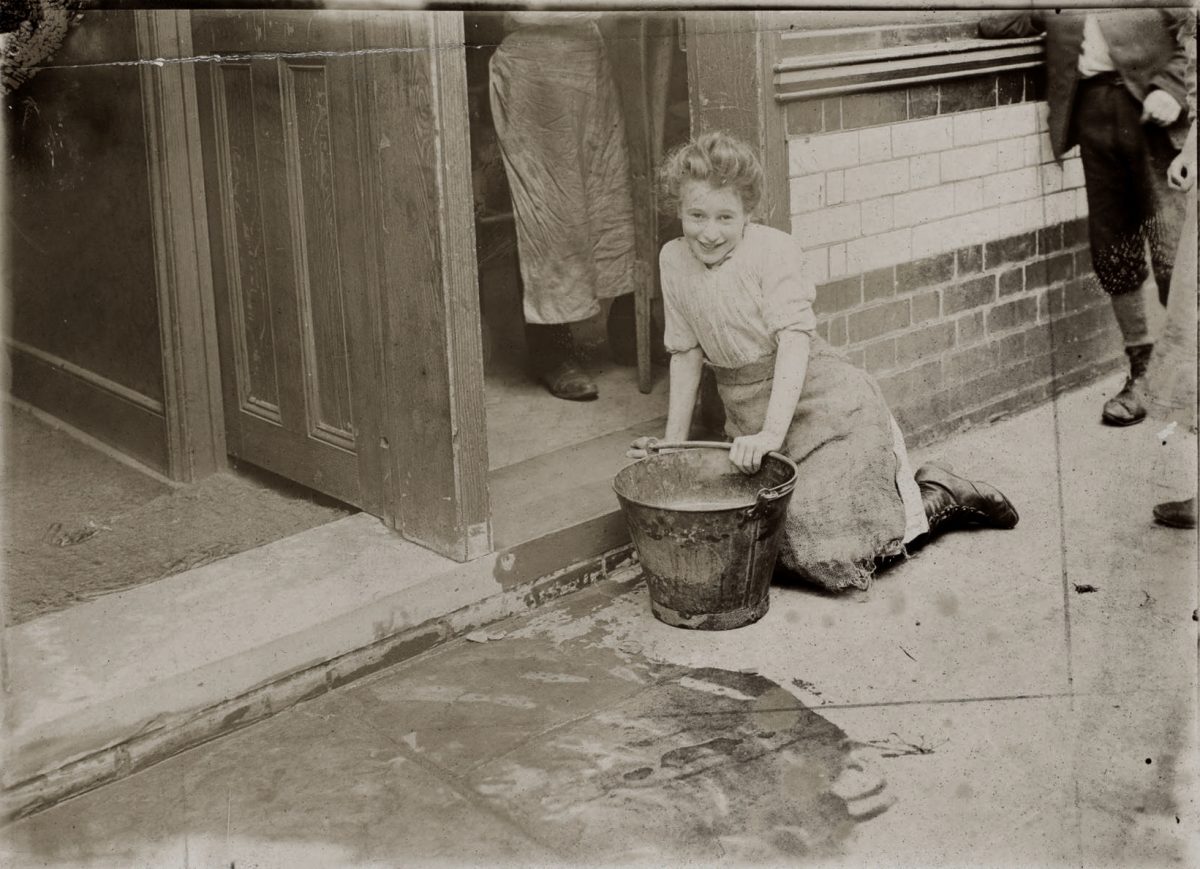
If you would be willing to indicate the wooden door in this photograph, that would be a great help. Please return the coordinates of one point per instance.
(346, 293)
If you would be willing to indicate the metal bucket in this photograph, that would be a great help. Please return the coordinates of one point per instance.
(706, 533)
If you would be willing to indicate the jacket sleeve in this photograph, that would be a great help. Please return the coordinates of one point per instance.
(1178, 76)
(1011, 26)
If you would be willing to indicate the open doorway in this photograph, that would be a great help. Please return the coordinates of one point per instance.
(526, 424)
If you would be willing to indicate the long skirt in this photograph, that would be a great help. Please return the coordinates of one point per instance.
(558, 121)
(1171, 380)
(855, 501)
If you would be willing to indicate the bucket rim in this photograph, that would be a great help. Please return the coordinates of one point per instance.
(765, 495)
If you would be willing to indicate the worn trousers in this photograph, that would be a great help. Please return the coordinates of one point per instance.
(1130, 207)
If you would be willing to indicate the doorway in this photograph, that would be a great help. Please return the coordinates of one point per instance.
(528, 428)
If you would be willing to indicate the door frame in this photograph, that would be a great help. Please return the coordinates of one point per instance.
(192, 402)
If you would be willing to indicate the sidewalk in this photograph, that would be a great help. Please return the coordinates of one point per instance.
(977, 706)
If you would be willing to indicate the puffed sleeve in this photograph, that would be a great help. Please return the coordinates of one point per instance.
(788, 291)
(678, 336)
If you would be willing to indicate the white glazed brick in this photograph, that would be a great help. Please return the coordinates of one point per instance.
(968, 195)
(874, 144)
(1047, 150)
(1013, 186)
(1043, 116)
(969, 162)
(1073, 173)
(820, 153)
(924, 170)
(877, 216)
(923, 206)
(877, 179)
(818, 228)
(807, 193)
(834, 187)
(955, 232)
(878, 251)
(837, 260)
(968, 129)
(1019, 217)
(1008, 122)
(1033, 150)
(816, 264)
(1052, 177)
(1059, 207)
(1010, 154)
(1081, 205)
(922, 137)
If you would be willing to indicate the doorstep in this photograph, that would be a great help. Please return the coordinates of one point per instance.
(105, 688)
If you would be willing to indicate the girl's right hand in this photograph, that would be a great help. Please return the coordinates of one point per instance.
(1181, 174)
(639, 449)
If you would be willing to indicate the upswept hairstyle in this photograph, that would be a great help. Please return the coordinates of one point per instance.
(718, 158)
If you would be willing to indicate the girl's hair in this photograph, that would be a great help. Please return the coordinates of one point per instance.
(718, 158)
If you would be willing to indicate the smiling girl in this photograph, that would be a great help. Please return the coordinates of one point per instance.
(737, 298)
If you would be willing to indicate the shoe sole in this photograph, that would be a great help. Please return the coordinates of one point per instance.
(1121, 423)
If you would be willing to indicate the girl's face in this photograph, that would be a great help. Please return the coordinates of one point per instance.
(713, 220)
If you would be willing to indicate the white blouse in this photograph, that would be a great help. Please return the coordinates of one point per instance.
(735, 311)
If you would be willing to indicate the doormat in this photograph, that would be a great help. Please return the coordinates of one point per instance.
(79, 524)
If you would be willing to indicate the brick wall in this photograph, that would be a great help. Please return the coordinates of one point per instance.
(949, 248)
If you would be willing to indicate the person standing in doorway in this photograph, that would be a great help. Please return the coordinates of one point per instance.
(1118, 84)
(563, 142)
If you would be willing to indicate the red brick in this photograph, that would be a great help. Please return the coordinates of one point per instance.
(1083, 261)
(832, 109)
(837, 331)
(1075, 233)
(880, 355)
(1051, 304)
(878, 320)
(1060, 268)
(823, 329)
(970, 260)
(1039, 340)
(1012, 314)
(1084, 293)
(926, 306)
(1010, 250)
(856, 358)
(924, 273)
(968, 364)
(804, 118)
(963, 95)
(932, 340)
(970, 328)
(872, 109)
(969, 294)
(839, 295)
(922, 102)
(1012, 281)
(1050, 239)
(916, 384)
(1010, 88)
(879, 284)
(1010, 349)
(1036, 275)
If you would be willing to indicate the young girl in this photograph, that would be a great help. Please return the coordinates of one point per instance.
(736, 298)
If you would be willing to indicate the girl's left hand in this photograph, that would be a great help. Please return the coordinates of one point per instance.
(747, 451)
(1181, 174)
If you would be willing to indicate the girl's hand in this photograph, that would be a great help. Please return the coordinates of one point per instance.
(1181, 174)
(1161, 108)
(640, 447)
(747, 451)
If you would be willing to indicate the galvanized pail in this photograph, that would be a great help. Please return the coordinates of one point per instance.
(707, 534)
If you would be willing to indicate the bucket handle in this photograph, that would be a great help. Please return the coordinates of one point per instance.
(765, 496)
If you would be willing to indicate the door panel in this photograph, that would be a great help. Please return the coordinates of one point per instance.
(284, 142)
(339, 202)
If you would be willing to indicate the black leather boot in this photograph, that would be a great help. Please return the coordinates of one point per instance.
(954, 502)
(552, 360)
(1125, 408)
(1176, 514)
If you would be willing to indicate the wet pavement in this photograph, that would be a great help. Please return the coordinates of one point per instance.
(975, 707)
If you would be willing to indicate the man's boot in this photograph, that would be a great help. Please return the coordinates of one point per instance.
(953, 502)
(1176, 514)
(1125, 408)
(552, 357)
